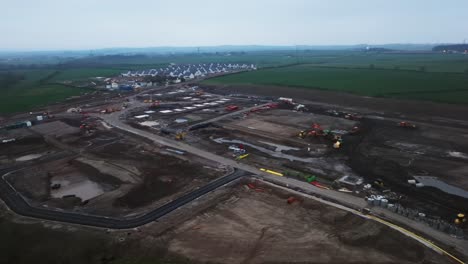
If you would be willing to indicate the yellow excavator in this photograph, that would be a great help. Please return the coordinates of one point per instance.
(180, 136)
(460, 220)
(302, 134)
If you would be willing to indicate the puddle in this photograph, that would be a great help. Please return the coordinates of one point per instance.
(29, 157)
(456, 154)
(84, 189)
(435, 182)
(279, 148)
(267, 151)
(415, 148)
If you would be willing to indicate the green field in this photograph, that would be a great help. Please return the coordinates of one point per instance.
(435, 77)
(84, 73)
(430, 62)
(445, 87)
(34, 91)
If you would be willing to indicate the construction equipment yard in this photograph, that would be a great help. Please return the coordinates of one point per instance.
(232, 171)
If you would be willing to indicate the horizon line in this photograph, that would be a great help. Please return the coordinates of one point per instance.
(8, 50)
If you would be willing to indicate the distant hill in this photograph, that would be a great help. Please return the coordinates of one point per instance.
(208, 49)
(451, 48)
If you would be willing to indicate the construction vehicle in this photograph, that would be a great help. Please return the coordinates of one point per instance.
(311, 178)
(155, 104)
(405, 124)
(74, 110)
(237, 149)
(337, 145)
(180, 135)
(242, 156)
(302, 134)
(300, 107)
(272, 172)
(379, 183)
(109, 110)
(317, 130)
(292, 200)
(354, 130)
(232, 108)
(286, 100)
(460, 220)
(352, 116)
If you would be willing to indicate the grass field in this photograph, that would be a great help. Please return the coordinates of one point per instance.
(34, 91)
(431, 62)
(434, 86)
(84, 73)
(394, 75)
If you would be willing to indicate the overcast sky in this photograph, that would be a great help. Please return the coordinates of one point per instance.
(91, 24)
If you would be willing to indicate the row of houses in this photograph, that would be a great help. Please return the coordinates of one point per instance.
(191, 71)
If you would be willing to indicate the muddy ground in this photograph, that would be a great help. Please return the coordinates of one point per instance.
(27, 146)
(393, 154)
(382, 150)
(103, 172)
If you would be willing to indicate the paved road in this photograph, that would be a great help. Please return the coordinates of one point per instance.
(17, 204)
(113, 120)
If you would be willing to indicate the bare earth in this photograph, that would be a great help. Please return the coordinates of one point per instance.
(261, 227)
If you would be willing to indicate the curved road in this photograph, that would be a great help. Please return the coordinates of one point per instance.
(18, 205)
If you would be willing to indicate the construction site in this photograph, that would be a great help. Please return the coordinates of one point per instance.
(81, 165)
(260, 169)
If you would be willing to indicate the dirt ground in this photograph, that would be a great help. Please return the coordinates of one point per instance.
(381, 149)
(394, 154)
(261, 227)
(233, 224)
(103, 172)
(27, 146)
(432, 111)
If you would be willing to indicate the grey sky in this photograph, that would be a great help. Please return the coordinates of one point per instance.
(87, 24)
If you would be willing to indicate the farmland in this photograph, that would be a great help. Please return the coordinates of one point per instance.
(83, 73)
(446, 87)
(432, 77)
(32, 89)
